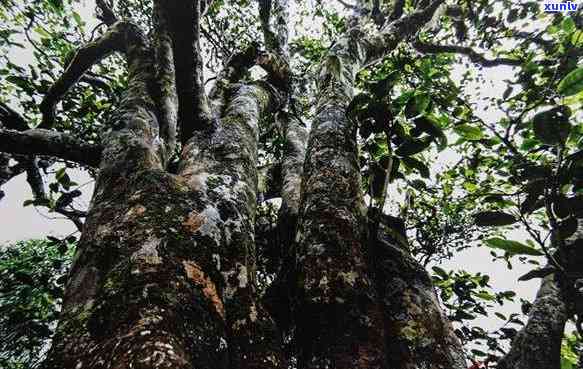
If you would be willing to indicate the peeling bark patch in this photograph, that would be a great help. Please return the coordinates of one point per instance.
(196, 275)
(148, 253)
(193, 222)
(136, 211)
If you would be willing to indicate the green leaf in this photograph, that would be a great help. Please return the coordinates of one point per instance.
(512, 247)
(572, 83)
(552, 126)
(500, 315)
(42, 32)
(468, 132)
(428, 125)
(440, 272)
(493, 219)
(412, 147)
(507, 92)
(577, 38)
(57, 5)
(413, 163)
(422, 101)
(78, 19)
(568, 25)
(485, 296)
(60, 173)
(417, 104)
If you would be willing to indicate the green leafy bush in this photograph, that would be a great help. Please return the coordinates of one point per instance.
(32, 277)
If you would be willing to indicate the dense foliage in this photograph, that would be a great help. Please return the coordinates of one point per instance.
(32, 276)
(513, 163)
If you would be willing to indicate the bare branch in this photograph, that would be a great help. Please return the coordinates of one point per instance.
(183, 19)
(472, 54)
(87, 56)
(50, 143)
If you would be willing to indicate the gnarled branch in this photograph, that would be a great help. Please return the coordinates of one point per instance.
(401, 29)
(50, 143)
(115, 39)
(472, 54)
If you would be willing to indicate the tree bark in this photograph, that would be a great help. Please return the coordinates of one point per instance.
(340, 315)
(339, 319)
(164, 273)
(538, 344)
(418, 334)
(164, 276)
(220, 168)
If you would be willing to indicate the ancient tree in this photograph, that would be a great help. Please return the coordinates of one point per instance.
(179, 266)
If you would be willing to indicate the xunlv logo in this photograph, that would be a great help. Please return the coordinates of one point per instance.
(551, 7)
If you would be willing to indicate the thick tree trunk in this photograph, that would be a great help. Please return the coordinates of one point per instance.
(220, 168)
(342, 320)
(339, 319)
(538, 344)
(164, 273)
(418, 333)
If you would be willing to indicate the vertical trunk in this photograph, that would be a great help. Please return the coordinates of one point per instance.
(538, 344)
(294, 152)
(339, 321)
(418, 333)
(164, 274)
(281, 293)
(220, 168)
(135, 298)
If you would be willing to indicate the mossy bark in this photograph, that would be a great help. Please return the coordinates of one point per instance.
(418, 334)
(538, 344)
(164, 273)
(339, 319)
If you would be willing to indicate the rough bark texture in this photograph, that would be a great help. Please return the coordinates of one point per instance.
(50, 143)
(418, 333)
(340, 319)
(164, 276)
(338, 316)
(134, 296)
(295, 136)
(220, 167)
(538, 345)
